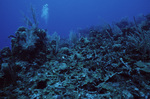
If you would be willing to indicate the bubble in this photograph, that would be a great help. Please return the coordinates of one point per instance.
(45, 14)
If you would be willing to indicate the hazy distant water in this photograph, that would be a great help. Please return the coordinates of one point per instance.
(66, 15)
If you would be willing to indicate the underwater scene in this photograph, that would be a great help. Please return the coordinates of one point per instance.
(75, 49)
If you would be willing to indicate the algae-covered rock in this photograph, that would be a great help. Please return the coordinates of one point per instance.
(5, 52)
(65, 50)
(78, 56)
(63, 66)
(5, 68)
(143, 66)
(117, 47)
(9, 73)
(28, 44)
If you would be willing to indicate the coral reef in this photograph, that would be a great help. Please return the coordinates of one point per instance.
(112, 61)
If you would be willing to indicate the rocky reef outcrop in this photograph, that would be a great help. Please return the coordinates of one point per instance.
(112, 61)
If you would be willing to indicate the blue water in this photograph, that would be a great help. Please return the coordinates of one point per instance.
(66, 15)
